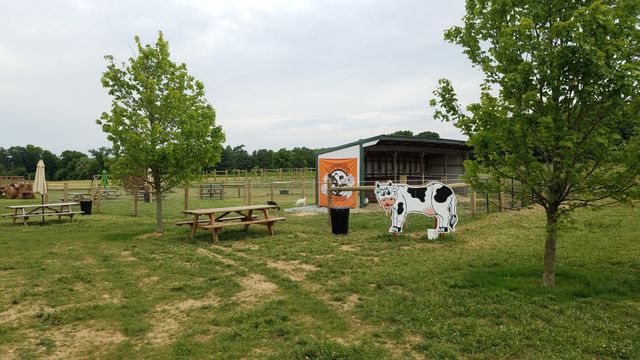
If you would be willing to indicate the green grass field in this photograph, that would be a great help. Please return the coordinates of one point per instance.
(103, 287)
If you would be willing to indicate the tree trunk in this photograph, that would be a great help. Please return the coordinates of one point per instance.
(159, 224)
(549, 277)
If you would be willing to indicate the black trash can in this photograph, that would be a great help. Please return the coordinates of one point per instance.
(85, 206)
(339, 220)
(147, 196)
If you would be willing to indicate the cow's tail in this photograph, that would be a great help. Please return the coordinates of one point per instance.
(453, 218)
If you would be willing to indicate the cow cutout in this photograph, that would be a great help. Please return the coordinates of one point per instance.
(434, 200)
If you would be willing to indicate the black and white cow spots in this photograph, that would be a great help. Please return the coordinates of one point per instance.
(442, 194)
(434, 200)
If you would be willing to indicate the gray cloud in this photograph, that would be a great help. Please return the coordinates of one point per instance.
(279, 73)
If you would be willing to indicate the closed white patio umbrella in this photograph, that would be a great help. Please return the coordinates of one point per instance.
(40, 184)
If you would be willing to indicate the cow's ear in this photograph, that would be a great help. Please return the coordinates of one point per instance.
(390, 183)
(378, 185)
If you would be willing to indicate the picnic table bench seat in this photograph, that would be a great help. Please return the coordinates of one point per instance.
(25, 212)
(65, 213)
(206, 221)
(219, 225)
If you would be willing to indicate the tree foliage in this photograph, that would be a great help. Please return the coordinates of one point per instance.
(160, 122)
(70, 165)
(559, 105)
(422, 135)
(239, 158)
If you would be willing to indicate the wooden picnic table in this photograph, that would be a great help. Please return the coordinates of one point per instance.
(214, 219)
(24, 212)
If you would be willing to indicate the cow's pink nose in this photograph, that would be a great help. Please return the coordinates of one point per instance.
(387, 202)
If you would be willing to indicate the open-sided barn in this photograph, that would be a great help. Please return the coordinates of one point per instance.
(386, 157)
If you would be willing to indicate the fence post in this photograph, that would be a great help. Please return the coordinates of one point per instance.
(501, 200)
(487, 199)
(97, 192)
(250, 196)
(66, 192)
(271, 189)
(474, 201)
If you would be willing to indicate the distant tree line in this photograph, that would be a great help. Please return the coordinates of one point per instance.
(75, 165)
(69, 165)
(422, 135)
(239, 158)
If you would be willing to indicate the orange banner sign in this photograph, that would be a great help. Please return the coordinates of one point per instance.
(341, 172)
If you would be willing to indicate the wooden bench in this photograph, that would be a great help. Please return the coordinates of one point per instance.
(267, 222)
(70, 214)
(190, 222)
(206, 221)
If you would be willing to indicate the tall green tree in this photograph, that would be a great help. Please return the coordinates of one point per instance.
(404, 133)
(559, 105)
(263, 158)
(282, 159)
(428, 135)
(160, 123)
(101, 156)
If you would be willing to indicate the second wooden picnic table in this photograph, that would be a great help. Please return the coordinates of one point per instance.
(214, 219)
(24, 212)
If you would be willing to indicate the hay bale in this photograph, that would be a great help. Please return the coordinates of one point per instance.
(12, 192)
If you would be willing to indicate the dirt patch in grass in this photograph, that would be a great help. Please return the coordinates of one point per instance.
(242, 245)
(294, 270)
(168, 320)
(74, 342)
(21, 312)
(349, 248)
(255, 288)
(304, 214)
(261, 353)
(149, 236)
(148, 281)
(222, 259)
(25, 311)
(88, 261)
(126, 256)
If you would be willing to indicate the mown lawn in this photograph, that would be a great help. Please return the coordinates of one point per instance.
(102, 287)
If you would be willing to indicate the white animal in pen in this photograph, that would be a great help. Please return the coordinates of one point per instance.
(301, 202)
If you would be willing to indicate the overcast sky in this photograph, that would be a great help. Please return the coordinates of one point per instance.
(279, 73)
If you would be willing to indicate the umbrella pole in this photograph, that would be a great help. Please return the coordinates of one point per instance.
(42, 206)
